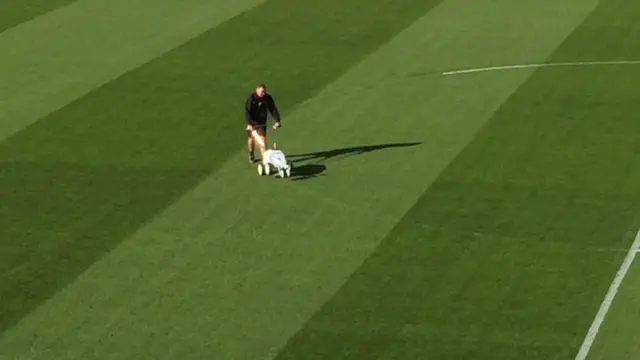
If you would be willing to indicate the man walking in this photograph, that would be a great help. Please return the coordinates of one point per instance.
(255, 115)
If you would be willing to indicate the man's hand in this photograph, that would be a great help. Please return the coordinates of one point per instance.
(276, 125)
(249, 127)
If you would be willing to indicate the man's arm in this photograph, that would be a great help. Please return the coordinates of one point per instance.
(247, 111)
(273, 109)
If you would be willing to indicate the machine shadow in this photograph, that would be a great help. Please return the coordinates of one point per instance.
(307, 171)
(311, 165)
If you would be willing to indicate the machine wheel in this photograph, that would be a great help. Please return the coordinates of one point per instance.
(287, 172)
(260, 169)
(267, 169)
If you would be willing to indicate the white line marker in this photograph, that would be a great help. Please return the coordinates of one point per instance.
(541, 65)
(608, 299)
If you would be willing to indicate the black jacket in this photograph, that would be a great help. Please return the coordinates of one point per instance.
(255, 109)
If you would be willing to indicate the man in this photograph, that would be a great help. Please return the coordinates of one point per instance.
(255, 115)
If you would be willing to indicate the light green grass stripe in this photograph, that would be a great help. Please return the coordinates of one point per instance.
(56, 58)
(240, 263)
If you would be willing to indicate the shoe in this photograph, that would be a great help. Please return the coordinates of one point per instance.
(252, 159)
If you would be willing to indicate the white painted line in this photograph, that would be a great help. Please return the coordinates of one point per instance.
(541, 65)
(608, 299)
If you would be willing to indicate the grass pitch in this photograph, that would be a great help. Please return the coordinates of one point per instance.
(476, 216)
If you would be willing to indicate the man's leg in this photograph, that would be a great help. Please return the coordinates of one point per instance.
(251, 145)
(261, 132)
(263, 147)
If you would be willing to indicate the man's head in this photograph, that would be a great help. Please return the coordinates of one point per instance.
(261, 89)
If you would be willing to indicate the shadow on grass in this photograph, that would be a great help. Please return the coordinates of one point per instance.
(307, 171)
(311, 165)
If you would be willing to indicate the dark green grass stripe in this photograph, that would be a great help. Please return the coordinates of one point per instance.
(13, 13)
(80, 180)
(510, 252)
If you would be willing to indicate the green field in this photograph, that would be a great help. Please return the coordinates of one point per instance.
(467, 185)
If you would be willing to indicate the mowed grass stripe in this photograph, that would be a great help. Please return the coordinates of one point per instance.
(13, 13)
(469, 271)
(77, 182)
(52, 60)
(214, 270)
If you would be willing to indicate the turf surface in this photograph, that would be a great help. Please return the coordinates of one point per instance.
(61, 56)
(13, 13)
(507, 253)
(618, 337)
(156, 125)
(503, 258)
(498, 258)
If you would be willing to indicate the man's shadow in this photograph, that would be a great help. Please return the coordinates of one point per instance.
(310, 165)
